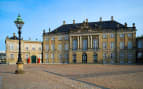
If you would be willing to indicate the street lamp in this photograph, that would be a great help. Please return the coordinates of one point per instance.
(19, 23)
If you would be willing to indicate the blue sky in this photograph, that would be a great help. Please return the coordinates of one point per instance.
(42, 14)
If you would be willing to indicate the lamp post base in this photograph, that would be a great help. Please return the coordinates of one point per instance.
(19, 68)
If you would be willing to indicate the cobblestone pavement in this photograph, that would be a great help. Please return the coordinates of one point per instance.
(72, 76)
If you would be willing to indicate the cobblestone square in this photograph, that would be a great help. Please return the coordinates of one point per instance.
(72, 76)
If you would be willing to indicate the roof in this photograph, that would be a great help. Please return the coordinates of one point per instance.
(14, 38)
(66, 28)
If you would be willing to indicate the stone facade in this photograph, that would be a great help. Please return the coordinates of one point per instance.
(29, 49)
(90, 42)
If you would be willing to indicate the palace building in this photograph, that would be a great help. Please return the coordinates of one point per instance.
(90, 42)
(29, 49)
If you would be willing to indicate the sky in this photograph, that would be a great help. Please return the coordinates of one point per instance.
(45, 14)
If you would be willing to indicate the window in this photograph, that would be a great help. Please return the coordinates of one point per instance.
(66, 58)
(27, 48)
(111, 35)
(129, 44)
(66, 47)
(12, 56)
(11, 47)
(112, 45)
(140, 44)
(40, 48)
(104, 56)
(52, 38)
(66, 37)
(112, 56)
(46, 38)
(52, 47)
(95, 58)
(26, 56)
(104, 45)
(60, 58)
(95, 43)
(104, 36)
(46, 57)
(60, 47)
(52, 56)
(74, 58)
(121, 35)
(121, 58)
(130, 56)
(139, 55)
(47, 47)
(33, 48)
(84, 44)
(129, 34)
(74, 44)
(59, 38)
(121, 45)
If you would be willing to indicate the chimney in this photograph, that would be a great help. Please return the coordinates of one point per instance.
(112, 18)
(49, 30)
(100, 19)
(125, 24)
(134, 25)
(86, 20)
(73, 21)
(13, 34)
(64, 22)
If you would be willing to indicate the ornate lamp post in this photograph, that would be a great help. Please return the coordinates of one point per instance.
(19, 23)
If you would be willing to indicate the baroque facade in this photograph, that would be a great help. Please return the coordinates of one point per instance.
(29, 49)
(90, 42)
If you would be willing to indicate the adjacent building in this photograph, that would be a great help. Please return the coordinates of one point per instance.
(140, 49)
(30, 50)
(2, 57)
(90, 42)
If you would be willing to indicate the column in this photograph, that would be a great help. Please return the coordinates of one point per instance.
(70, 42)
(78, 41)
(88, 41)
(81, 42)
(91, 41)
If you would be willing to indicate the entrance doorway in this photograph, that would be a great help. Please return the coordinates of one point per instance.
(33, 59)
(84, 58)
